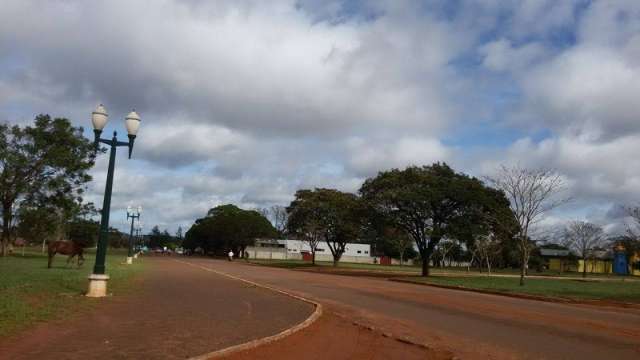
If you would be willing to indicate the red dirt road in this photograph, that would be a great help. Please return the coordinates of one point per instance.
(179, 312)
(465, 324)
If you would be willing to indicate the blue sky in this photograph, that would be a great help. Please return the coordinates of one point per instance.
(248, 101)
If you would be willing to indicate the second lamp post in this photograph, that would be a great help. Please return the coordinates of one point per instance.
(132, 214)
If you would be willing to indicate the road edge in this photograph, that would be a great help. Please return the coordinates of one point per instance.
(265, 340)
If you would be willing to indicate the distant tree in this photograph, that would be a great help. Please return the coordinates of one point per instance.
(400, 241)
(431, 203)
(303, 222)
(532, 194)
(583, 238)
(38, 224)
(179, 235)
(334, 215)
(228, 227)
(84, 232)
(277, 215)
(118, 239)
(46, 163)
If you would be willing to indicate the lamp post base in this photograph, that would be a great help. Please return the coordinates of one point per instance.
(129, 260)
(135, 256)
(98, 285)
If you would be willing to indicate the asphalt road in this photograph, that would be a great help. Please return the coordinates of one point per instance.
(470, 325)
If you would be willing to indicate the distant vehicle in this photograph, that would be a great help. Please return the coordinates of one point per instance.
(179, 251)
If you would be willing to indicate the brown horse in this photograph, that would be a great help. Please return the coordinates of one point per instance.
(66, 248)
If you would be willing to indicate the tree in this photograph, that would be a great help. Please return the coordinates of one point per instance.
(583, 238)
(46, 163)
(400, 241)
(278, 216)
(228, 227)
(431, 203)
(84, 232)
(532, 194)
(333, 215)
(303, 222)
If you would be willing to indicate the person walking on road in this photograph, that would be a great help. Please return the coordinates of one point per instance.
(230, 255)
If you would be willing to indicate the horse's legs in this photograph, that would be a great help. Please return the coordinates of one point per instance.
(80, 260)
(51, 254)
(70, 258)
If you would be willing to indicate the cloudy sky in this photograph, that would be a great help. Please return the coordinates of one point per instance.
(246, 101)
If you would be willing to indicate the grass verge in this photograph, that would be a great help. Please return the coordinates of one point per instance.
(31, 293)
(618, 291)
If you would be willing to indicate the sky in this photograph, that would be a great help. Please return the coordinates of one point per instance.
(245, 102)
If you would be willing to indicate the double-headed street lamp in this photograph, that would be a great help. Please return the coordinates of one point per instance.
(98, 280)
(132, 214)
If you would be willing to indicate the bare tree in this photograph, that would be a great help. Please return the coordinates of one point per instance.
(633, 230)
(532, 193)
(277, 215)
(486, 248)
(401, 241)
(583, 238)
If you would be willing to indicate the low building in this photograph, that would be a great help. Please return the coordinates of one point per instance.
(560, 260)
(299, 250)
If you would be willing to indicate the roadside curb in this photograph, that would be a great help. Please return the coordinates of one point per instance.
(258, 342)
(549, 299)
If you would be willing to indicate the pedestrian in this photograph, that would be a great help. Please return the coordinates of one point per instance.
(230, 255)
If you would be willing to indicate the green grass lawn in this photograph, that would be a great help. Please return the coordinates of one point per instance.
(293, 264)
(626, 290)
(30, 293)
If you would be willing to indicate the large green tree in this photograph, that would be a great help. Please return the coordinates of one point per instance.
(334, 215)
(228, 227)
(431, 203)
(44, 164)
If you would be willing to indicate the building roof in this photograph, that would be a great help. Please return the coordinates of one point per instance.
(554, 252)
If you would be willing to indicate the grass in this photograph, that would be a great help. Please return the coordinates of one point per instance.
(31, 293)
(416, 269)
(613, 290)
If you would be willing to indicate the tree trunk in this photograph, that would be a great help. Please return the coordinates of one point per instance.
(6, 221)
(313, 258)
(584, 267)
(522, 268)
(425, 266)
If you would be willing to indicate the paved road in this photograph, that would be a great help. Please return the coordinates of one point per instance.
(471, 325)
(179, 311)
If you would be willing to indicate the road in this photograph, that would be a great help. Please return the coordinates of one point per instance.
(469, 325)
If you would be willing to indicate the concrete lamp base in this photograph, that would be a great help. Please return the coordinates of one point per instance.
(97, 285)
(135, 256)
(129, 260)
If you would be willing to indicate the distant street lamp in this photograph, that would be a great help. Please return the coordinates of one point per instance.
(139, 237)
(132, 214)
(98, 280)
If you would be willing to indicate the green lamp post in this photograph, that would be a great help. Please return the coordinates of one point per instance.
(98, 280)
(132, 214)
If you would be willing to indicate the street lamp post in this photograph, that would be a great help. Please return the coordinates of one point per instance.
(132, 214)
(98, 280)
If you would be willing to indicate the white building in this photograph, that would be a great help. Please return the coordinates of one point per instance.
(298, 249)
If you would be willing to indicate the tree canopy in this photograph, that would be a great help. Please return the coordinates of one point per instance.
(434, 202)
(333, 215)
(45, 165)
(228, 227)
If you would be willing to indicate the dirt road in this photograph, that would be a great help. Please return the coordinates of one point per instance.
(469, 325)
(179, 311)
